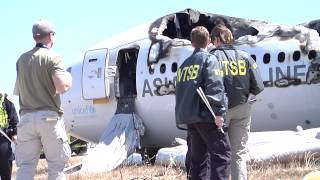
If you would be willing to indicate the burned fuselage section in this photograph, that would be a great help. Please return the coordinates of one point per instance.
(295, 61)
(168, 31)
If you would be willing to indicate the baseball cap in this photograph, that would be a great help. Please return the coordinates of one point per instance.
(42, 28)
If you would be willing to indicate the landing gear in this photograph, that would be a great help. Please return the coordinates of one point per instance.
(149, 154)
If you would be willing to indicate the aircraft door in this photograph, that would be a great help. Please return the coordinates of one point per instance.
(127, 64)
(95, 80)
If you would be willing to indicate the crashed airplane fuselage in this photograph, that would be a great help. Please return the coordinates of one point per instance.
(142, 63)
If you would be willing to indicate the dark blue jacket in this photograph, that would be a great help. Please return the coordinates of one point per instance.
(241, 74)
(12, 117)
(199, 70)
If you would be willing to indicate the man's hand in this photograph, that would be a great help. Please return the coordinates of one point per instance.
(219, 121)
(14, 139)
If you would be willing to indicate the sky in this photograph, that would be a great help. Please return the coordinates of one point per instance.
(80, 25)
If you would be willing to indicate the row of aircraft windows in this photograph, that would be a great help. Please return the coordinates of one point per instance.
(163, 68)
(266, 60)
(282, 56)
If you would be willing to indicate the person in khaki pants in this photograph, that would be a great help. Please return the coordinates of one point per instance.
(241, 79)
(41, 78)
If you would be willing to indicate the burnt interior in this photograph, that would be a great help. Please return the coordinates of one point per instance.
(127, 64)
(180, 24)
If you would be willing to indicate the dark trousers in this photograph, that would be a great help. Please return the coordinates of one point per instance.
(210, 152)
(6, 158)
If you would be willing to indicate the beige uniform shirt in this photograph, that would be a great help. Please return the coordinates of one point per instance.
(34, 84)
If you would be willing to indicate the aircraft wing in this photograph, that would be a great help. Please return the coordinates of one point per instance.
(283, 144)
(263, 146)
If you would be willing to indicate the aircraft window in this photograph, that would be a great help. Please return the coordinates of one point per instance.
(281, 57)
(296, 56)
(162, 68)
(174, 67)
(254, 57)
(312, 54)
(151, 70)
(266, 58)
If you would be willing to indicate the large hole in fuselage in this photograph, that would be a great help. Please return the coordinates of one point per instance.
(180, 25)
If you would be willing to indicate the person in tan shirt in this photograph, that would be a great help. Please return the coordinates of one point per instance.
(41, 78)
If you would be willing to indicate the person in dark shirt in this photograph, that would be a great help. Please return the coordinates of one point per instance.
(205, 136)
(8, 126)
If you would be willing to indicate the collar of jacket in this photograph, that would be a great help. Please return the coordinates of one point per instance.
(199, 49)
(40, 45)
(225, 46)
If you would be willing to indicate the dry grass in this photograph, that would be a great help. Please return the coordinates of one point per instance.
(136, 173)
(293, 169)
(145, 172)
(290, 168)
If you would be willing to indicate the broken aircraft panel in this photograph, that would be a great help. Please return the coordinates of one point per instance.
(167, 30)
(166, 89)
(315, 24)
(170, 30)
(313, 74)
(285, 82)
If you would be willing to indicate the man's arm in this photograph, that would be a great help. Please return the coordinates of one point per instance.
(12, 118)
(256, 82)
(16, 85)
(61, 78)
(16, 88)
(62, 81)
